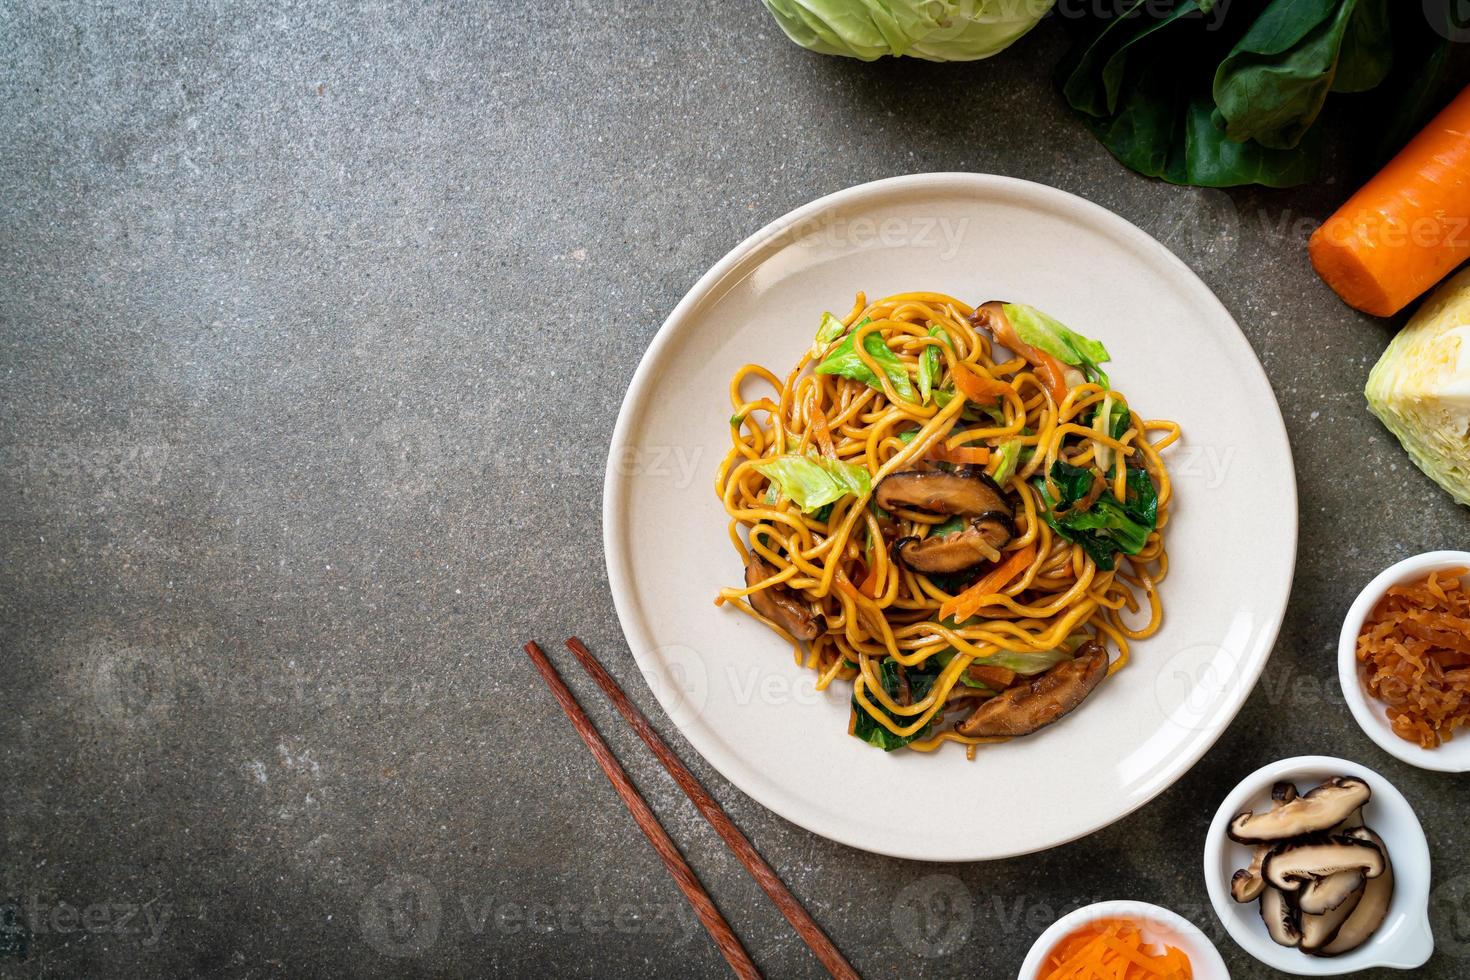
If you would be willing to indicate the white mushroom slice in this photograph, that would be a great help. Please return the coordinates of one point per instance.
(1322, 808)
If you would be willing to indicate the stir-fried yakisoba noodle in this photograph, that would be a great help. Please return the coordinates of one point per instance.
(958, 531)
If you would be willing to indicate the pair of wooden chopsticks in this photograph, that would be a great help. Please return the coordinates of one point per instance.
(684, 876)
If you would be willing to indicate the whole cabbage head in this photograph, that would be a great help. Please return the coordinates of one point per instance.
(935, 30)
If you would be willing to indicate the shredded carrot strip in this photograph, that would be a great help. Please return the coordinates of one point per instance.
(869, 584)
(823, 431)
(1051, 373)
(963, 606)
(960, 454)
(1113, 950)
(977, 387)
(999, 678)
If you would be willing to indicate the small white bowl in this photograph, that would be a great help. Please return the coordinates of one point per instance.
(1157, 924)
(1451, 756)
(1403, 942)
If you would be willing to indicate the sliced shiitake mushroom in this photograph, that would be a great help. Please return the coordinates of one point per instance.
(1280, 917)
(1319, 929)
(1023, 709)
(1370, 910)
(1322, 895)
(1323, 879)
(1322, 808)
(1289, 865)
(965, 491)
(1246, 884)
(777, 603)
(980, 541)
(1354, 821)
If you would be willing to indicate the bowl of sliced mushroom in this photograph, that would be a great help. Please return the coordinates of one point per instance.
(1318, 866)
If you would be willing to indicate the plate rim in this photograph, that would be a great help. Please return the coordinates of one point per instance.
(615, 481)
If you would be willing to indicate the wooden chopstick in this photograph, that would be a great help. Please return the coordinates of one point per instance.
(764, 876)
(684, 876)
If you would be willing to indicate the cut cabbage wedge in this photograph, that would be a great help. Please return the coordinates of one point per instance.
(1420, 387)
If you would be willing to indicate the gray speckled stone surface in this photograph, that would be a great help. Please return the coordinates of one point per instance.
(293, 300)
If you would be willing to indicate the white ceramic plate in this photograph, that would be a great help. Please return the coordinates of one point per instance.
(730, 684)
(1404, 941)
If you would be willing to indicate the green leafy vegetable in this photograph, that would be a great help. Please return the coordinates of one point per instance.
(845, 362)
(813, 481)
(942, 659)
(949, 526)
(935, 30)
(921, 681)
(1367, 54)
(929, 364)
(1026, 664)
(1118, 426)
(829, 329)
(1219, 94)
(1275, 80)
(1043, 332)
(1009, 455)
(1109, 525)
(1072, 482)
(1418, 388)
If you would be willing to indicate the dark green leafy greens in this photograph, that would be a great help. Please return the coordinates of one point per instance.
(921, 680)
(949, 526)
(1110, 525)
(1220, 94)
(1275, 80)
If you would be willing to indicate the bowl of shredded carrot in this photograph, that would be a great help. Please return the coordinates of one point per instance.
(1404, 660)
(1123, 940)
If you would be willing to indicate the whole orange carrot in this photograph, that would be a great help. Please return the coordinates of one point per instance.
(1407, 227)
